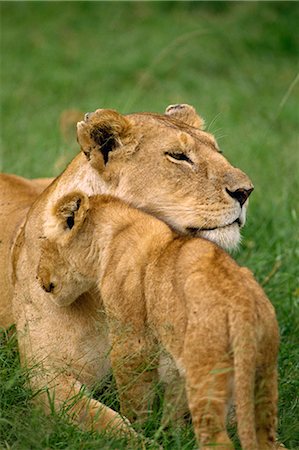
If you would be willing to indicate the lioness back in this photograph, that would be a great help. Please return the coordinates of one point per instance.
(16, 196)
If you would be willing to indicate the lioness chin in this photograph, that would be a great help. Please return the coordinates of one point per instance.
(165, 293)
(163, 164)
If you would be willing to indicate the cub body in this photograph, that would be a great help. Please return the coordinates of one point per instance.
(165, 294)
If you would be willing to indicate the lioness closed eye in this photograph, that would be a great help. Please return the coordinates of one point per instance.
(185, 297)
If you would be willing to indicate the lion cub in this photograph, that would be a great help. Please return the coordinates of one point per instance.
(164, 293)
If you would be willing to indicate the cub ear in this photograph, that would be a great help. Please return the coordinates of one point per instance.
(102, 132)
(64, 218)
(185, 113)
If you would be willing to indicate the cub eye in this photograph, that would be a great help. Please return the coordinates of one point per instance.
(178, 156)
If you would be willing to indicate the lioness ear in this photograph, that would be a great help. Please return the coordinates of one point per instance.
(185, 113)
(102, 131)
(64, 218)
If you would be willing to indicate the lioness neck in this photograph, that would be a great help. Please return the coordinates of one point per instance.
(80, 175)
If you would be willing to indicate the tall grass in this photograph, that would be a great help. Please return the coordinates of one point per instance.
(237, 63)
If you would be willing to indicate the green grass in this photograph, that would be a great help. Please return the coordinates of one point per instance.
(237, 63)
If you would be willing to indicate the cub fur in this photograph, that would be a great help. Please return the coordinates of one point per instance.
(159, 163)
(164, 293)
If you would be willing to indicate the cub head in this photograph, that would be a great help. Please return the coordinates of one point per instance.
(169, 167)
(63, 271)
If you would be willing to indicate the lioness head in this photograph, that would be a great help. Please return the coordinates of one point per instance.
(169, 167)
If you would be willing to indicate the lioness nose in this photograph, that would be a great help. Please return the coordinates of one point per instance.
(241, 194)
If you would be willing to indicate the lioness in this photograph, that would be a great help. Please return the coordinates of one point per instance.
(16, 196)
(160, 163)
(184, 295)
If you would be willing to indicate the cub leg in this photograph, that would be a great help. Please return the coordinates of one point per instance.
(134, 367)
(66, 393)
(208, 405)
(209, 391)
(175, 405)
(266, 407)
(133, 358)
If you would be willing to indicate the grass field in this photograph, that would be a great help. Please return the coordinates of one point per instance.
(237, 63)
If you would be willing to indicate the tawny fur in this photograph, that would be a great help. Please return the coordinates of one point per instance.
(17, 194)
(130, 157)
(165, 294)
(138, 171)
